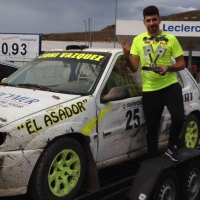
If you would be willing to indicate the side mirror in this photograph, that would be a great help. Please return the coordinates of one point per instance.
(116, 93)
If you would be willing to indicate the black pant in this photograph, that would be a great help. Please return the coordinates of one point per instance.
(153, 105)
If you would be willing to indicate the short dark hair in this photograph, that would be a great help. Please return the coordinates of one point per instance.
(150, 10)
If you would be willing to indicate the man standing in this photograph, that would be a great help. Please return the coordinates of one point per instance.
(152, 50)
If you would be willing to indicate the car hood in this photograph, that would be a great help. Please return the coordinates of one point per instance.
(16, 103)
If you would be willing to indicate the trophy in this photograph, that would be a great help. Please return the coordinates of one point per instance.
(148, 50)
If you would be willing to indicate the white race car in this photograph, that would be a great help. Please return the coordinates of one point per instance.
(68, 110)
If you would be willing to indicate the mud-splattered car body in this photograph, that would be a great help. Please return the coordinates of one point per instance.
(77, 94)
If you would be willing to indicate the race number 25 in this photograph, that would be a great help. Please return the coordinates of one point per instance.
(132, 115)
(14, 48)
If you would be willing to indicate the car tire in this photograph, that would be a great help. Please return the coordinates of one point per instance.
(190, 181)
(191, 132)
(59, 172)
(167, 187)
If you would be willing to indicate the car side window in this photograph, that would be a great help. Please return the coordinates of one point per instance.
(122, 76)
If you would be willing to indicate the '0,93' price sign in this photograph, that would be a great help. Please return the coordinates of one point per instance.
(19, 47)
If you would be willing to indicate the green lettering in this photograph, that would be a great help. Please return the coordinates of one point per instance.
(75, 54)
(69, 55)
(93, 57)
(99, 58)
(63, 55)
(87, 56)
(80, 56)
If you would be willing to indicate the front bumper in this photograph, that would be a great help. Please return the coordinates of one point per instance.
(15, 170)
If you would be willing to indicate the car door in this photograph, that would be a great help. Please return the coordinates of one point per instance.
(120, 122)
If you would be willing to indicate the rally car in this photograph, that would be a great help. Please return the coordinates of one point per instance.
(68, 113)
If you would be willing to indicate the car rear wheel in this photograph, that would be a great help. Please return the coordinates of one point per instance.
(167, 187)
(60, 171)
(191, 131)
(190, 181)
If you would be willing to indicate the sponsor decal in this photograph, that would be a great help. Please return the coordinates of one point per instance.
(53, 116)
(63, 113)
(133, 104)
(14, 100)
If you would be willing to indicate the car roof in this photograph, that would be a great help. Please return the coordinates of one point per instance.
(111, 50)
(91, 49)
(10, 64)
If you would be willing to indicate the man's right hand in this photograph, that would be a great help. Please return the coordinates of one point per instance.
(126, 48)
(133, 61)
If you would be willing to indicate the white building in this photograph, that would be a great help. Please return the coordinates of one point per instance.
(187, 32)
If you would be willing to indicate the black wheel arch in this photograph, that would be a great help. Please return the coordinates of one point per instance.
(91, 172)
(91, 181)
(196, 113)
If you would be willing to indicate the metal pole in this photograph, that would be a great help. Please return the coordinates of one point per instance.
(115, 22)
(85, 31)
(90, 32)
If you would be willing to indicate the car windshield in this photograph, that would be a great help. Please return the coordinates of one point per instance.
(65, 72)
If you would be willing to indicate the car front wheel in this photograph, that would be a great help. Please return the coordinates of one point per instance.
(60, 171)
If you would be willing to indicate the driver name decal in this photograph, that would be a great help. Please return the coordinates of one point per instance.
(78, 56)
(82, 56)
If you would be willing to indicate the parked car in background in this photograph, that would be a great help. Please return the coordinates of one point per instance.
(68, 113)
(7, 68)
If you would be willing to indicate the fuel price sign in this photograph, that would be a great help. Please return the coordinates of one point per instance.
(19, 47)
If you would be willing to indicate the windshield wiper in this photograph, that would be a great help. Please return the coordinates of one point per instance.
(36, 86)
(9, 84)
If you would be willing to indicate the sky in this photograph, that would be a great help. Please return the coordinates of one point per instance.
(64, 16)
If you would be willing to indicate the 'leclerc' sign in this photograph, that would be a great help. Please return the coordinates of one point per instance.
(177, 28)
(182, 28)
